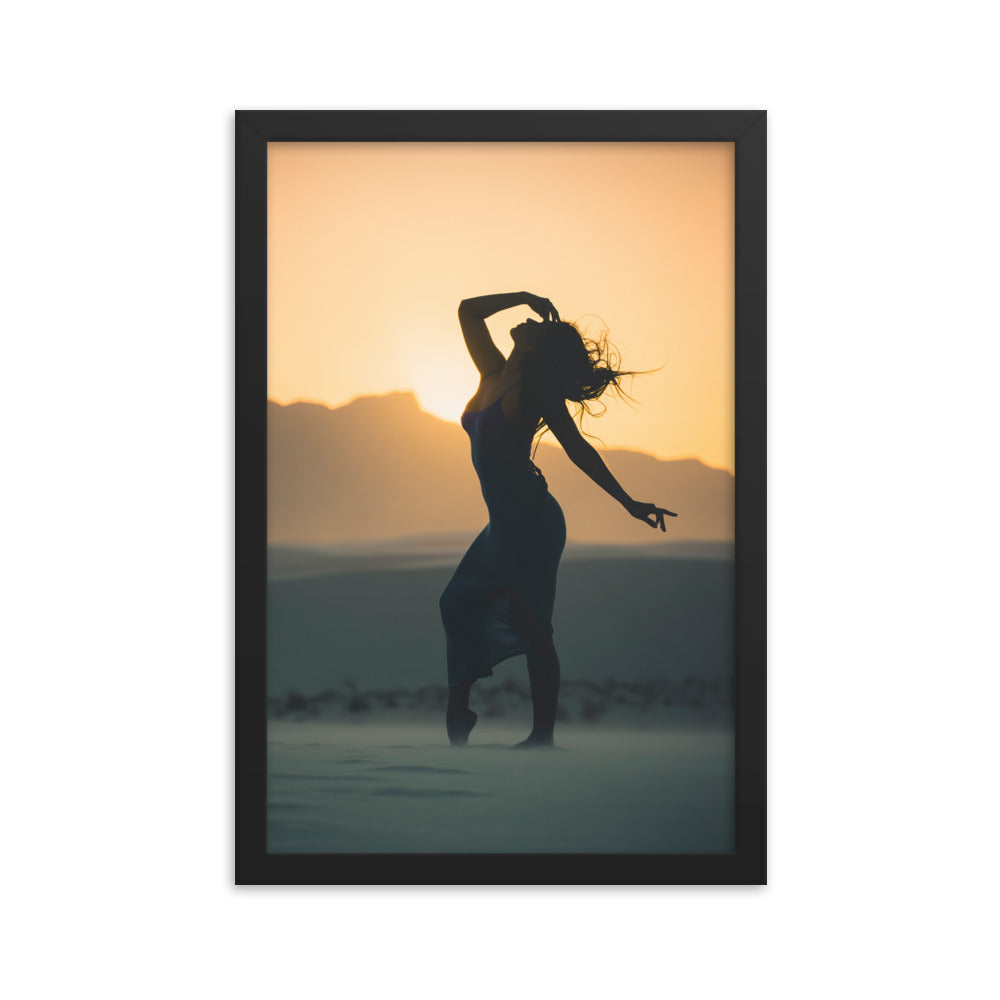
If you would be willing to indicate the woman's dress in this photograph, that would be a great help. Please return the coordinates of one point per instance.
(518, 551)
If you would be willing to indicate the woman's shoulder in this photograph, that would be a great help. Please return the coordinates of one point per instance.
(492, 387)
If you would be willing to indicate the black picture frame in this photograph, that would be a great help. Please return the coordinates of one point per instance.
(254, 129)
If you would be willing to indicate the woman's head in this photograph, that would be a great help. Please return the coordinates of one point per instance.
(526, 335)
(560, 361)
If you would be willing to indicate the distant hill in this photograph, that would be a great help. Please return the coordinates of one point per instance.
(380, 467)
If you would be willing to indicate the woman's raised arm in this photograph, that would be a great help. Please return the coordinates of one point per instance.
(472, 314)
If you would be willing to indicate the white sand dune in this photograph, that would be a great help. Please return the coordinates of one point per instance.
(349, 788)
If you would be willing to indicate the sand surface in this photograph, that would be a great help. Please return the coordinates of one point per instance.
(365, 787)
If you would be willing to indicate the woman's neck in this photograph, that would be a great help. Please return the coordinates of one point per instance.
(516, 362)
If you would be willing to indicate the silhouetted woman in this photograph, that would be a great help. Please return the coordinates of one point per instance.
(499, 601)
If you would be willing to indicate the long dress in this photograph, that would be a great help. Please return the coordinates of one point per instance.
(518, 551)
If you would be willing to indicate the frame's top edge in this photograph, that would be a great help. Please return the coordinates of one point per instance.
(498, 125)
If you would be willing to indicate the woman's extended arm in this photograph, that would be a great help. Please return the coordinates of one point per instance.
(585, 457)
(472, 315)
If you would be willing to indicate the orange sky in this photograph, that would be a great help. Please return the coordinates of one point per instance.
(371, 246)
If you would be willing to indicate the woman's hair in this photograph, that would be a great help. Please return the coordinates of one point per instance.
(575, 368)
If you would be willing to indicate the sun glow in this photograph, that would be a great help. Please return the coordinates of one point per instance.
(443, 386)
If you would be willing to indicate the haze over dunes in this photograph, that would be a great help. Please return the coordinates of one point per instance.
(380, 467)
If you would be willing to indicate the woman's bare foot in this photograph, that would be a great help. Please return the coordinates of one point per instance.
(460, 725)
(534, 741)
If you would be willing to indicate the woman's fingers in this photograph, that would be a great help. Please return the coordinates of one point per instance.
(653, 516)
(543, 307)
(656, 517)
(540, 304)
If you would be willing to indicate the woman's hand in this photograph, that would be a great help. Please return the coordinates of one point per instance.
(543, 307)
(650, 513)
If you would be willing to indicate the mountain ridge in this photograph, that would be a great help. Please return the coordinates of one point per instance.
(379, 466)
(409, 398)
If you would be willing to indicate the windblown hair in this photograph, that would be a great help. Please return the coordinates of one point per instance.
(575, 368)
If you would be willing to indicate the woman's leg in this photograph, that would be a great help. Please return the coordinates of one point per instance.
(543, 674)
(459, 718)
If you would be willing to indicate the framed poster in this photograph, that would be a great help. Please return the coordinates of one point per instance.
(500, 502)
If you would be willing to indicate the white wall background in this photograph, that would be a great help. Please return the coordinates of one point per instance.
(117, 237)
